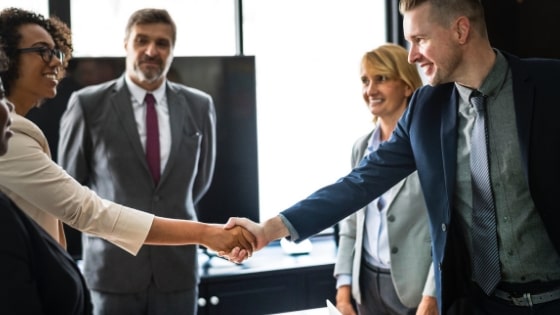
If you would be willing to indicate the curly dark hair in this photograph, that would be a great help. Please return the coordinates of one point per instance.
(3, 60)
(10, 21)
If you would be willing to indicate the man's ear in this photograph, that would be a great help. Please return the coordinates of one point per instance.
(462, 29)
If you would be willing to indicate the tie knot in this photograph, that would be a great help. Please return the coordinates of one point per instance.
(149, 99)
(380, 203)
(478, 100)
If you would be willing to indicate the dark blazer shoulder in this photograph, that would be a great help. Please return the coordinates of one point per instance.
(532, 64)
(193, 94)
(434, 93)
(96, 89)
(535, 74)
(427, 105)
(94, 97)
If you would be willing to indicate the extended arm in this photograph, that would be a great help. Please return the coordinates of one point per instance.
(46, 192)
(181, 232)
(266, 232)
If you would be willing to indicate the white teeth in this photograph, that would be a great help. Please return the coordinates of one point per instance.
(51, 76)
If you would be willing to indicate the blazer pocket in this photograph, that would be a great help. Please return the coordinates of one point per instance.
(192, 137)
(191, 145)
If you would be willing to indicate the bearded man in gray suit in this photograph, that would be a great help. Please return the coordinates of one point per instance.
(105, 136)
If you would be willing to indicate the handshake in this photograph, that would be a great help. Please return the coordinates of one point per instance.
(240, 237)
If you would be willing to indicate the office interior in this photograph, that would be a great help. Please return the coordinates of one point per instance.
(275, 280)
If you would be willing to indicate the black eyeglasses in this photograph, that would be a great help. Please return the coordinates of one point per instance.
(46, 53)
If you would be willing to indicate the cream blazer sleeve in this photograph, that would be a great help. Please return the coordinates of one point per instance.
(47, 193)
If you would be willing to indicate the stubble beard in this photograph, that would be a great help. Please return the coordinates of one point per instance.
(149, 76)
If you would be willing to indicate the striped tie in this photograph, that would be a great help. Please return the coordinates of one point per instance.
(486, 260)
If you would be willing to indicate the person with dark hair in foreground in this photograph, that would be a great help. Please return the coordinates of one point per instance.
(38, 275)
(38, 50)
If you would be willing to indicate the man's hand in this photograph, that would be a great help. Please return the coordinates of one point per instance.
(236, 243)
(255, 228)
(265, 233)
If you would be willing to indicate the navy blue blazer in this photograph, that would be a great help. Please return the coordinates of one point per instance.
(37, 275)
(426, 140)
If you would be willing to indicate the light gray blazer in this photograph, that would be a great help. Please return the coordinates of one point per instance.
(100, 147)
(409, 240)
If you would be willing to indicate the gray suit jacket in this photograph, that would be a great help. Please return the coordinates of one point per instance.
(409, 238)
(100, 147)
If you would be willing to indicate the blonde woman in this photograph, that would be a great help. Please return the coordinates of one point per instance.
(380, 263)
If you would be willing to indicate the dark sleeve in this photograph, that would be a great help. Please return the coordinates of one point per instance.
(375, 174)
(18, 287)
(207, 159)
(73, 145)
(37, 276)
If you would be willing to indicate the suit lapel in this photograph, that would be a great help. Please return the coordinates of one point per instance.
(120, 102)
(177, 111)
(395, 189)
(395, 193)
(449, 138)
(523, 99)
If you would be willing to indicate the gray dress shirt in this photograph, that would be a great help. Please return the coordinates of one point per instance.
(519, 224)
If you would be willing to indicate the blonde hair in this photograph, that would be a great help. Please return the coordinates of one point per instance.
(391, 60)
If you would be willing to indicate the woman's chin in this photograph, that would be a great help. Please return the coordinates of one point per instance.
(50, 94)
(44, 99)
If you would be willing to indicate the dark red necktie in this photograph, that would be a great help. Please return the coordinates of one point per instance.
(152, 137)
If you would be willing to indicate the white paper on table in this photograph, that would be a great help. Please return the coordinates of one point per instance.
(332, 309)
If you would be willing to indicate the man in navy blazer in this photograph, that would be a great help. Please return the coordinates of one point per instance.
(449, 42)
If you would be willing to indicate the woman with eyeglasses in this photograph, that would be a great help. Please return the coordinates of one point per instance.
(38, 275)
(38, 50)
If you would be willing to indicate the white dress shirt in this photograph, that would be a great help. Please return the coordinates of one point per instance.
(376, 240)
(138, 106)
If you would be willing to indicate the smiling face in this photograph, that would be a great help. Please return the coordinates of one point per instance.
(149, 53)
(37, 79)
(385, 98)
(432, 45)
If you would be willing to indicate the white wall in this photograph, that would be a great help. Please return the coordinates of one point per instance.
(310, 109)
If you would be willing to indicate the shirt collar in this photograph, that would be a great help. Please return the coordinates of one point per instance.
(138, 93)
(497, 76)
(374, 140)
(493, 81)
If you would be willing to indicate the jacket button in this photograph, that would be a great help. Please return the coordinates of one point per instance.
(443, 227)
(394, 250)
(391, 218)
(157, 198)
